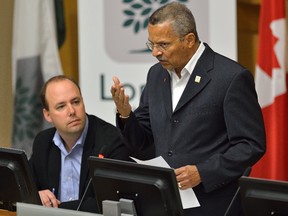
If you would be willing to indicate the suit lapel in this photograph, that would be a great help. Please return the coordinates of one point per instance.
(54, 167)
(84, 167)
(88, 149)
(199, 78)
(166, 91)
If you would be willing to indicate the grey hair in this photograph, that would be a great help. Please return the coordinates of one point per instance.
(181, 17)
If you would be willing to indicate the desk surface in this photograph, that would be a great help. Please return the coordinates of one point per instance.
(7, 213)
(24, 209)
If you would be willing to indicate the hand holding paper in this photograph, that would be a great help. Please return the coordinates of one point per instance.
(188, 197)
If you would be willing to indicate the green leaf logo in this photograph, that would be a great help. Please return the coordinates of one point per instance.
(27, 113)
(139, 11)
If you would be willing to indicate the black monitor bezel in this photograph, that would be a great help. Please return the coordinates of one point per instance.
(16, 183)
(133, 181)
(262, 196)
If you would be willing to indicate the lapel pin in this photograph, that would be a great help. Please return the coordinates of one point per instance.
(197, 79)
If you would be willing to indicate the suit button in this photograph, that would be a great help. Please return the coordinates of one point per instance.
(170, 153)
(175, 121)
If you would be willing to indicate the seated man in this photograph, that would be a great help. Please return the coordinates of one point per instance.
(60, 153)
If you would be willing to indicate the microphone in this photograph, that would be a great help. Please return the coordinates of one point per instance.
(101, 154)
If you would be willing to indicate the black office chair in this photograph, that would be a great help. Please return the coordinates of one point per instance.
(246, 173)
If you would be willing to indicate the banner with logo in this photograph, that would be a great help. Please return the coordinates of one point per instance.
(35, 60)
(112, 37)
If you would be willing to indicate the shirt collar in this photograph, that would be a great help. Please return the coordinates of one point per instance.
(189, 67)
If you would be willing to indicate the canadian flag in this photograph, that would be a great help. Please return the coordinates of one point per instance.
(271, 86)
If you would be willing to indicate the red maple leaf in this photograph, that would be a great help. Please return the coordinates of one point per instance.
(267, 59)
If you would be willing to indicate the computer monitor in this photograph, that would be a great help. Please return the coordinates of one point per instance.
(153, 190)
(16, 181)
(264, 197)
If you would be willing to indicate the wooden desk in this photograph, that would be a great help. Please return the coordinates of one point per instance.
(7, 213)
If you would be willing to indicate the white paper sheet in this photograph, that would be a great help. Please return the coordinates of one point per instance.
(188, 197)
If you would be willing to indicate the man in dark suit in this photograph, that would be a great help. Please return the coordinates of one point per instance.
(199, 110)
(59, 158)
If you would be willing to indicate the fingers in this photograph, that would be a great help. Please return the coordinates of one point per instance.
(116, 80)
(120, 99)
(187, 177)
(182, 182)
(48, 199)
(119, 96)
(116, 88)
(123, 105)
(117, 85)
(54, 202)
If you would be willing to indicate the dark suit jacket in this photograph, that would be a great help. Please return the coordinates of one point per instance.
(217, 125)
(45, 161)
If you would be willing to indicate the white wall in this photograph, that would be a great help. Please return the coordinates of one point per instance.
(106, 48)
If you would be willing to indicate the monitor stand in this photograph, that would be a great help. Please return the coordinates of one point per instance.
(124, 207)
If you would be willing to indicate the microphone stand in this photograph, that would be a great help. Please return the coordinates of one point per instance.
(246, 173)
(86, 189)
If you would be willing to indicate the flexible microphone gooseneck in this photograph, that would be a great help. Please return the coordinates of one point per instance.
(100, 155)
(86, 189)
(246, 173)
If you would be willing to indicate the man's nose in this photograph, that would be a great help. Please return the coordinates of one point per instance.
(71, 110)
(156, 51)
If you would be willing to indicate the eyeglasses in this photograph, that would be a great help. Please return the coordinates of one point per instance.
(160, 46)
(164, 45)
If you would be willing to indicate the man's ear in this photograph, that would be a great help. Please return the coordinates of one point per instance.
(191, 39)
(47, 115)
